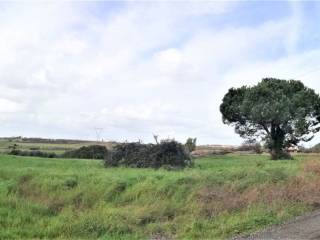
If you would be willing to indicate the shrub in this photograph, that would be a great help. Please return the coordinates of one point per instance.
(33, 153)
(13, 147)
(283, 155)
(87, 152)
(34, 148)
(167, 153)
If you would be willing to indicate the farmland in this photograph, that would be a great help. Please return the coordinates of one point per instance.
(221, 196)
(45, 145)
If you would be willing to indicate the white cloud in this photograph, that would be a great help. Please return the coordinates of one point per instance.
(146, 68)
(7, 106)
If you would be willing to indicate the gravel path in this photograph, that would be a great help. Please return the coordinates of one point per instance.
(302, 228)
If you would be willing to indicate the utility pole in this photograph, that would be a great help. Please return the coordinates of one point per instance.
(98, 131)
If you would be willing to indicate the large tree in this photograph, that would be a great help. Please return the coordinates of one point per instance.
(279, 112)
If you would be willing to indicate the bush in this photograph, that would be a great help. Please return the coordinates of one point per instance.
(87, 152)
(34, 148)
(167, 153)
(33, 153)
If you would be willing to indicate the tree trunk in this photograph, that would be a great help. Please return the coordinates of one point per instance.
(277, 144)
(279, 153)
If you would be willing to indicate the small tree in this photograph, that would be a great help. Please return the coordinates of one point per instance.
(13, 147)
(191, 144)
(279, 112)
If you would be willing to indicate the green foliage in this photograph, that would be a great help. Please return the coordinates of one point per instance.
(191, 144)
(33, 153)
(166, 153)
(87, 152)
(14, 147)
(280, 112)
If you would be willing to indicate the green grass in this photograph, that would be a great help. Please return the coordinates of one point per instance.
(63, 198)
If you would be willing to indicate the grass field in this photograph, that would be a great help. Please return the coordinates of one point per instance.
(220, 197)
(54, 147)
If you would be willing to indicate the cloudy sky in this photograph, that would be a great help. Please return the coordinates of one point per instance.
(137, 68)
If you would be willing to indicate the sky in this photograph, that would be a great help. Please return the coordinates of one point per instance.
(135, 69)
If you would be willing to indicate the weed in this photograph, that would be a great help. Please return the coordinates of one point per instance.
(71, 183)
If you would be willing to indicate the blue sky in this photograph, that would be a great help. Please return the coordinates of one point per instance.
(138, 68)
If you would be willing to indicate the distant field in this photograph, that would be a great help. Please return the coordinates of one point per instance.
(60, 146)
(218, 198)
(56, 147)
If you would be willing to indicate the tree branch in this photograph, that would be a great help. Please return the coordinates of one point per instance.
(265, 128)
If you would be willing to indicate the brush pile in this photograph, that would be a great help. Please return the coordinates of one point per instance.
(168, 153)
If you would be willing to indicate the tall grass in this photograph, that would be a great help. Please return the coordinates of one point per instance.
(219, 197)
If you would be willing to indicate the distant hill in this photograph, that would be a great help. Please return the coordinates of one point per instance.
(48, 140)
(216, 147)
(316, 148)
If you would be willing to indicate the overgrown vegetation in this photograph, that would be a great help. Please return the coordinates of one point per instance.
(165, 154)
(87, 152)
(219, 197)
(34, 153)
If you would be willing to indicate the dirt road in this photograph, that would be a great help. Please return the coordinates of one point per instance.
(304, 227)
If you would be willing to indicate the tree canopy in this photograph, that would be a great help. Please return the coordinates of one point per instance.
(279, 112)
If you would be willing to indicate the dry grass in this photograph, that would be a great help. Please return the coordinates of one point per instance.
(304, 188)
(213, 200)
(312, 166)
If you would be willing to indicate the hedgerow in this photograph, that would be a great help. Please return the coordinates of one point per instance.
(87, 152)
(33, 153)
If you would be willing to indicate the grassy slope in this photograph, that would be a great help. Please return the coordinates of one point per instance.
(46, 147)
(56, 198)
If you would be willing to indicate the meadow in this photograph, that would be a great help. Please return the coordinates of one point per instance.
(221, 196)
